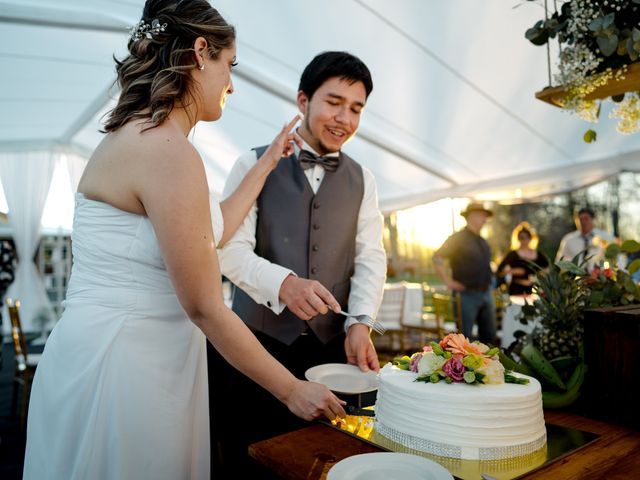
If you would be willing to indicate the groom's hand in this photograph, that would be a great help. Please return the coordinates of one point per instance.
(306, 298)
(359, 348)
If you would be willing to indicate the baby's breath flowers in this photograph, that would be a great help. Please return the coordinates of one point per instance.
(628, 114)
(598, 39)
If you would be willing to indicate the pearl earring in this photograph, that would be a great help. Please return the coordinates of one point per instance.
(201, 67)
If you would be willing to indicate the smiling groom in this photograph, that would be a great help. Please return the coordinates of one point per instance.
(313, 238)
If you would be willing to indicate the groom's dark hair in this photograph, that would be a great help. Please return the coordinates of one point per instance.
(334, 64)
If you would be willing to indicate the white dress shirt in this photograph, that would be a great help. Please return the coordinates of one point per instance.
(574, 242)
(217, 220)
(261, 279)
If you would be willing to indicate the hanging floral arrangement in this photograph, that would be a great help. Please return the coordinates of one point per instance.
(599, 59)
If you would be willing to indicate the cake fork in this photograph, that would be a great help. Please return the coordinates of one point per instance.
(369, 322)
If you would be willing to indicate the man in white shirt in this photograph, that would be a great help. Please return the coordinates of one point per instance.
(311, 244)
(587, 242)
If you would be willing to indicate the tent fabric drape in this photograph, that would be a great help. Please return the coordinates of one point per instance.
(75, 167)
(26, 178)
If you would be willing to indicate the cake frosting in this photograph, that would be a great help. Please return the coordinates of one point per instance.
(460, 420)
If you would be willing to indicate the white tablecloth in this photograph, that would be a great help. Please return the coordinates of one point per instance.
(412, 308)
(510, 319)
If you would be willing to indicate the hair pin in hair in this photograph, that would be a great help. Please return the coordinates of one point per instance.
(142, 28)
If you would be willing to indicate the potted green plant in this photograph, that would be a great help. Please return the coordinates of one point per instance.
(554, 351)
(612, 286)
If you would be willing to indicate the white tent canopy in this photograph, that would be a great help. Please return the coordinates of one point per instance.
(452, 112)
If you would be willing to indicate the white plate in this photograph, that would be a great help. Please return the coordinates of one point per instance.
(343, 378)
(388, 466)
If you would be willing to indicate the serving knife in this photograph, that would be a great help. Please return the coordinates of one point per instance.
(359, 412)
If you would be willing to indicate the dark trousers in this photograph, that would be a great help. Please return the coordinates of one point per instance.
(479, 307)
(241, 412)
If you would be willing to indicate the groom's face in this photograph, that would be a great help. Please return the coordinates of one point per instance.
(332, 114)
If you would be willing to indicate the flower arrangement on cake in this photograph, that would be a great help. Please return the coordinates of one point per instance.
(455, 359)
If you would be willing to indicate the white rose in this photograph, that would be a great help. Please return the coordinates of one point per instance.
(430, 363)
(494, 373)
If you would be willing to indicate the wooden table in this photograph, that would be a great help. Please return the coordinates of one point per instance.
(309, 453)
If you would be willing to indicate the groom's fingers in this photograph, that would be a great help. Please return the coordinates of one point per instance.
(328, 299)
(317, 304)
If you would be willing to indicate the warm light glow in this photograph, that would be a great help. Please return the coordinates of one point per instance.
(429, 225)
(58, 209)
(3, 201)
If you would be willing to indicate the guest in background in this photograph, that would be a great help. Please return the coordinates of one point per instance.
(469, 257)
(587, 243)
(518, 264)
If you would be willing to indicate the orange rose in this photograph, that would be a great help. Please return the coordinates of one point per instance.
(458, 344)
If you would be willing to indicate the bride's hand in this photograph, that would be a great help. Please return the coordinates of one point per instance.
(311, 400)
(282, 145)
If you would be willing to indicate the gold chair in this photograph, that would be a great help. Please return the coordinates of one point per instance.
(448, 311)
(427, 326)
(390, 317)
(25, 363)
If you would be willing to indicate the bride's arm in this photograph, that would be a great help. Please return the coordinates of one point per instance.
(236, 206)
(175, 196)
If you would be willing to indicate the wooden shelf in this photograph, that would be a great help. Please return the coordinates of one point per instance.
(631, 83)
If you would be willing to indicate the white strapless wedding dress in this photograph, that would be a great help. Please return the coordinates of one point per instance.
(121, 389)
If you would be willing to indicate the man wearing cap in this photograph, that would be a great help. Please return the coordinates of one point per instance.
(586, 242)
(469, 257)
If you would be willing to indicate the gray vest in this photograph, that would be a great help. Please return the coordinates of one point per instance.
(313, 235)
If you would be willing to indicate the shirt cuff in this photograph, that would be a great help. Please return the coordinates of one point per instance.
(275, 276)
(351, 321)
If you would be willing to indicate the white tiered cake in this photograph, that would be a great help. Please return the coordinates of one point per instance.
(459, 420)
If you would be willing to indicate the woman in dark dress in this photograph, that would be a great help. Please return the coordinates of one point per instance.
(516, 265)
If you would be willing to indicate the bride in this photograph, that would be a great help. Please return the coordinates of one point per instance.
(120, 391)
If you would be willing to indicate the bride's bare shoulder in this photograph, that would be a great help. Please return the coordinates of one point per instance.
(138, 146)
(133, 159)
(160, 140)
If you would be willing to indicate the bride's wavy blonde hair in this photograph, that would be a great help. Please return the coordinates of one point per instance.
(155, 74)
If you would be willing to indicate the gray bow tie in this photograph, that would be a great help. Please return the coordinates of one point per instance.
(309, 160)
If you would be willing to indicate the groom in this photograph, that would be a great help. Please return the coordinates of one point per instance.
(313, 239)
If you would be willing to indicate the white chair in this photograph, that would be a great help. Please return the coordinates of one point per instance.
(432, 324)
(390, 315)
